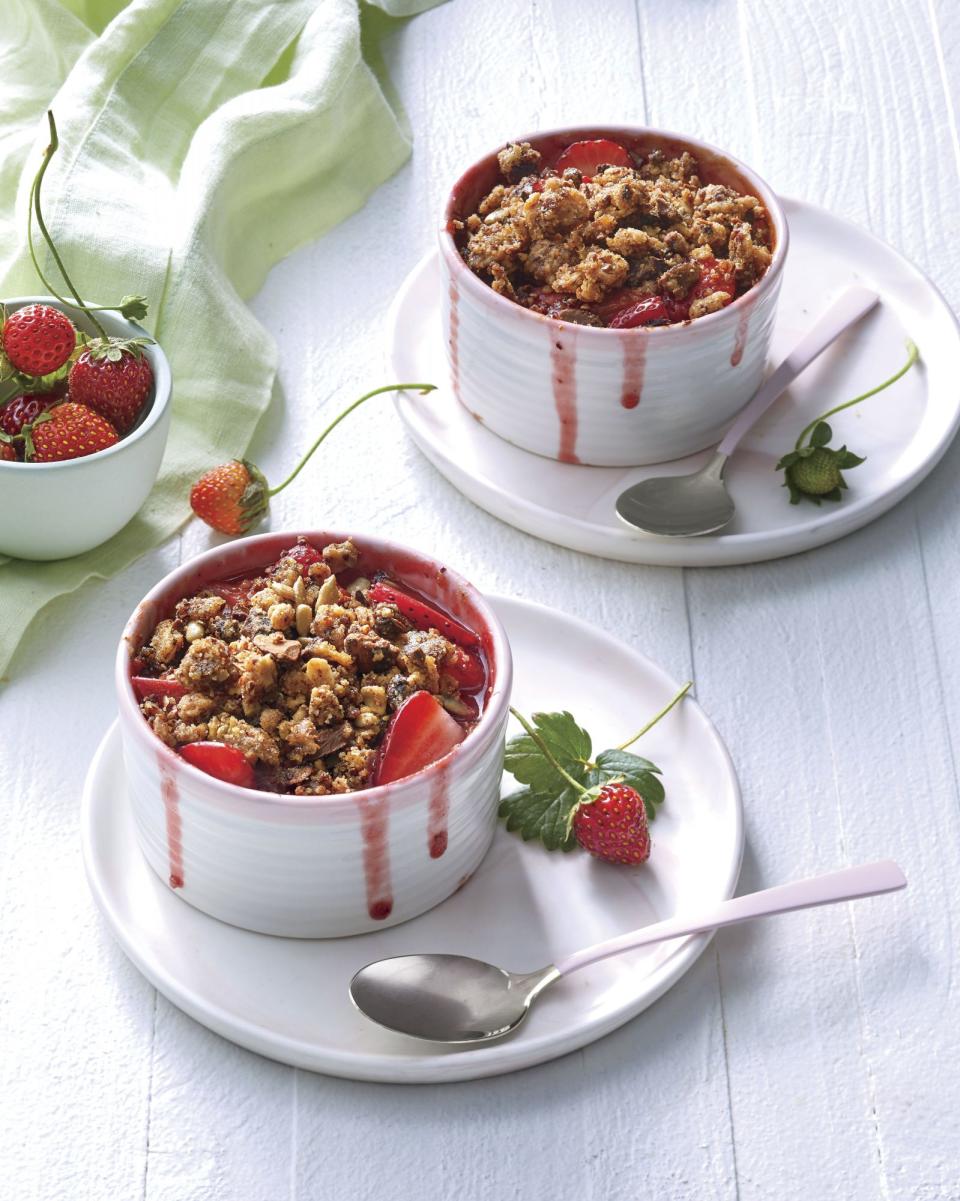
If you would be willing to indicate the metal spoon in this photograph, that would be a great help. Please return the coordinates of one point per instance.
(453, 999)
(681, 506)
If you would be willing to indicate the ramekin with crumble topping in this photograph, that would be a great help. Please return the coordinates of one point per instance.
(313, 731)
(609, 293)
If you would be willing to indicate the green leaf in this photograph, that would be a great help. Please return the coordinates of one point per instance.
(543, 815)
(846, 459)
(821, 434)
(567, 742)
(836, 494)
(134, 308)
(805, 452)
(787, 461)
(638, 773)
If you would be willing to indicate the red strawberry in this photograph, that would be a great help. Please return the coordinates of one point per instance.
(114, 378)
(22, 410)
(38, 339)
(589, 156)
(231, 497)
(420, 732)
(235, 592)
(217, 759)
(614, 826)
(69, 431)
(304, 555)
(649, 311)
(466, 668)
(145, 686)
(423, 615)
(7, 453)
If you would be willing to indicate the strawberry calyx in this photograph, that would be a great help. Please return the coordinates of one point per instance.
(255, 497)
(813, 470)
(112, 350)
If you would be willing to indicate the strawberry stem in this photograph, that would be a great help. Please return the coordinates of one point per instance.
(423, 389)
(547, 753)
(653, 720)
(912, 355)
(36, 209)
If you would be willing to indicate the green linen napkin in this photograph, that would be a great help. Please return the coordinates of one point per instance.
(201, 141)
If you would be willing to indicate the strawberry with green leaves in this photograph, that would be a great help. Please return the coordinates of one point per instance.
(40, 346)
(232, 497)
(814, 469)
(569, 796)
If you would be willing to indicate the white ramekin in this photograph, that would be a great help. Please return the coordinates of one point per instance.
(607, 397)
(317, 867)
(55, 510)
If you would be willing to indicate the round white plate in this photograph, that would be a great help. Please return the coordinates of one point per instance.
(903, 432)
(287, 998)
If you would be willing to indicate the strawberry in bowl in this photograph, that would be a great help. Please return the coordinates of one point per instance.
(84, 414)
(314, 731)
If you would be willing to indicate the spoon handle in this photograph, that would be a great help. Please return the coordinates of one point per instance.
(850, 307)
(847, 885)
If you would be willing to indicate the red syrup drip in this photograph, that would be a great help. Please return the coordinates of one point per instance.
(437, 820)
(374, 818)
(171, 807)
(563, 361)
(740, 338)
(455, 338)
(634, 364)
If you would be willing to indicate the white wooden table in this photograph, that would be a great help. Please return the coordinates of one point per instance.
(812, 1058)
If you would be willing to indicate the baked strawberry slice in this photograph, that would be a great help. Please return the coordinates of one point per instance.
(227, 763)
(234, 592)
(716, 275)
(651, 310)
(145, 686)
(420, 732)
(466, 668)
(589, 156)
(423, 615)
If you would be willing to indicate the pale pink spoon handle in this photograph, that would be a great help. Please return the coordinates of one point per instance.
(850, 307)
(867, 880)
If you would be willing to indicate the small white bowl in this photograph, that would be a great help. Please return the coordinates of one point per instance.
(56, 510)
(606, 397)
(317, 867)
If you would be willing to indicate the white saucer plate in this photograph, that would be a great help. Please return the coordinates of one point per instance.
(287, 998)
(902, 432)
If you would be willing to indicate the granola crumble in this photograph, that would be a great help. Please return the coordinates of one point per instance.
(306, 701)
(645, 244)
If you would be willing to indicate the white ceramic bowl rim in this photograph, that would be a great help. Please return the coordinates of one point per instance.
(484, 292)
(161, 391)
(406, 788)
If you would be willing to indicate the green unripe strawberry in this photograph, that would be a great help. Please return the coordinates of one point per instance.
(817, 474)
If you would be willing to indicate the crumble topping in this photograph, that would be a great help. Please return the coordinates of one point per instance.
(297, 670)
(592, 248)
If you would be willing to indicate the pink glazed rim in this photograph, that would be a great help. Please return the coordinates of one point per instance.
(254, 553)
(632, 136)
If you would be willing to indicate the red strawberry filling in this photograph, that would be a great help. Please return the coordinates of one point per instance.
(423, 615)
(589, 156)
(420, 733)
(227, 763)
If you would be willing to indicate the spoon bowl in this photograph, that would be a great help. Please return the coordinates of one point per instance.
(679, 506)
(446, 998)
